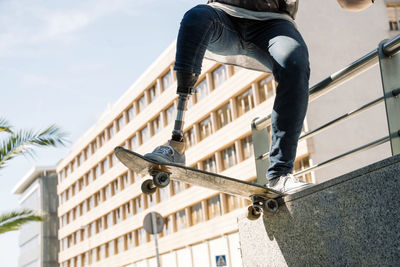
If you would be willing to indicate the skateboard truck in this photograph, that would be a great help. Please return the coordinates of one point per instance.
(261, 204)
(160, 179)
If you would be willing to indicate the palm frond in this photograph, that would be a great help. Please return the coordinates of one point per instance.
(23, 142)
(5, 126)
(13, 220)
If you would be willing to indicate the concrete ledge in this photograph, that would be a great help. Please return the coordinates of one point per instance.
(352, 220)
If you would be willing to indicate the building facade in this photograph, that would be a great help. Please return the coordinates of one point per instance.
(38, 241)
(101, 204)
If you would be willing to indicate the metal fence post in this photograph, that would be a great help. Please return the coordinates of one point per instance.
(390, 73)
(259, 133)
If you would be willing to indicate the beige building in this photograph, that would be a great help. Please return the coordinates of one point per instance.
(101, 204)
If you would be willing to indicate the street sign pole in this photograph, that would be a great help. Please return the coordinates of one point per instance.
(154, 224)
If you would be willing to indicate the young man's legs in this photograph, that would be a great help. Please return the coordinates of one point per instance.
(289, 59)
(200, 26)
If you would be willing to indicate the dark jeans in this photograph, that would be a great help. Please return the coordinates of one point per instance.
(275, 43)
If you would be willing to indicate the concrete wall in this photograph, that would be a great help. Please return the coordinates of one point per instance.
(352, 220)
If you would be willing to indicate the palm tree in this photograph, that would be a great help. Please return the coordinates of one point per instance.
(23, 142)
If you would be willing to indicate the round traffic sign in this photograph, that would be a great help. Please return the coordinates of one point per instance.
(153, 223)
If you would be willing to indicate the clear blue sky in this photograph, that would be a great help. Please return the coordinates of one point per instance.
(63, 61)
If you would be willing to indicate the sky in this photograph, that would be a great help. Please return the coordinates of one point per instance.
(63, 62)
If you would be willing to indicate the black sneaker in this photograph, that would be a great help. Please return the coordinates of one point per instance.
(173, 152)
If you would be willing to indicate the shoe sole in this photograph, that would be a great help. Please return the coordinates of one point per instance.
(160, 159)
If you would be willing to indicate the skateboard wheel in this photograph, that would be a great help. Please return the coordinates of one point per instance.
(148, 187)
(253, 213)
(161, 179)
(271, 206)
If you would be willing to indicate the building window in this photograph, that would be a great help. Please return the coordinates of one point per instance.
(205, 128)
(97, 171)
(88, 152)
(120, 244)
(97, 198)
(91, 203)
(95, 255)
(170, 114)
(130, 240)
(131, 113)
(76, 188)
(94, 147)
(142, 238)
(266, 88)
(84, 207)
(156, 125)
(109, 220)
(224, 115)
(167, 80)
(154, 91)
(214, 207)
(201, 90)
(89, 177)
(393, 10)
(126, 180)
(107, 192)
(178, 187)
(220, 75)
(111, 248)
(115, 186)
(111, 131)
(62, 175)
(145, 134)
(128, 209)
(210, 164)
(247, 147)
(181, 220)
(133, 143)
(117, 214)
(197, 213)
(99, 226)
(75, 164)
(151, 200)
(121, 123)
(106, 165)
(103, 252)
(190, 138)
(229, 157)
(141, 103)
(169, 225)
(233, 202)
(138, 205)
(165, 193)
(245, 101)
(81, 158)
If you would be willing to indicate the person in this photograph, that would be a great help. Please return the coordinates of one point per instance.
(256, 34)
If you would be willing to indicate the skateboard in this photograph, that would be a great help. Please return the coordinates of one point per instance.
(263, 200)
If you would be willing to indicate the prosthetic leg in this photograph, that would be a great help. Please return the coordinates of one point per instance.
(186, 82)
(173, 152)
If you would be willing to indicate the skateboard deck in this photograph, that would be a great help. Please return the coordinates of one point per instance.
(163, 173)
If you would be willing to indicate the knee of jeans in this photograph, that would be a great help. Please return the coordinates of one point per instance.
(298, 63)
(198, 15)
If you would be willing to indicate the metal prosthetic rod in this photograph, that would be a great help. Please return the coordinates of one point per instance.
(186, 82)
(177, 133)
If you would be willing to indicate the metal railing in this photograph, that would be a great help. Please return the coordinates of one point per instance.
(388, 56)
